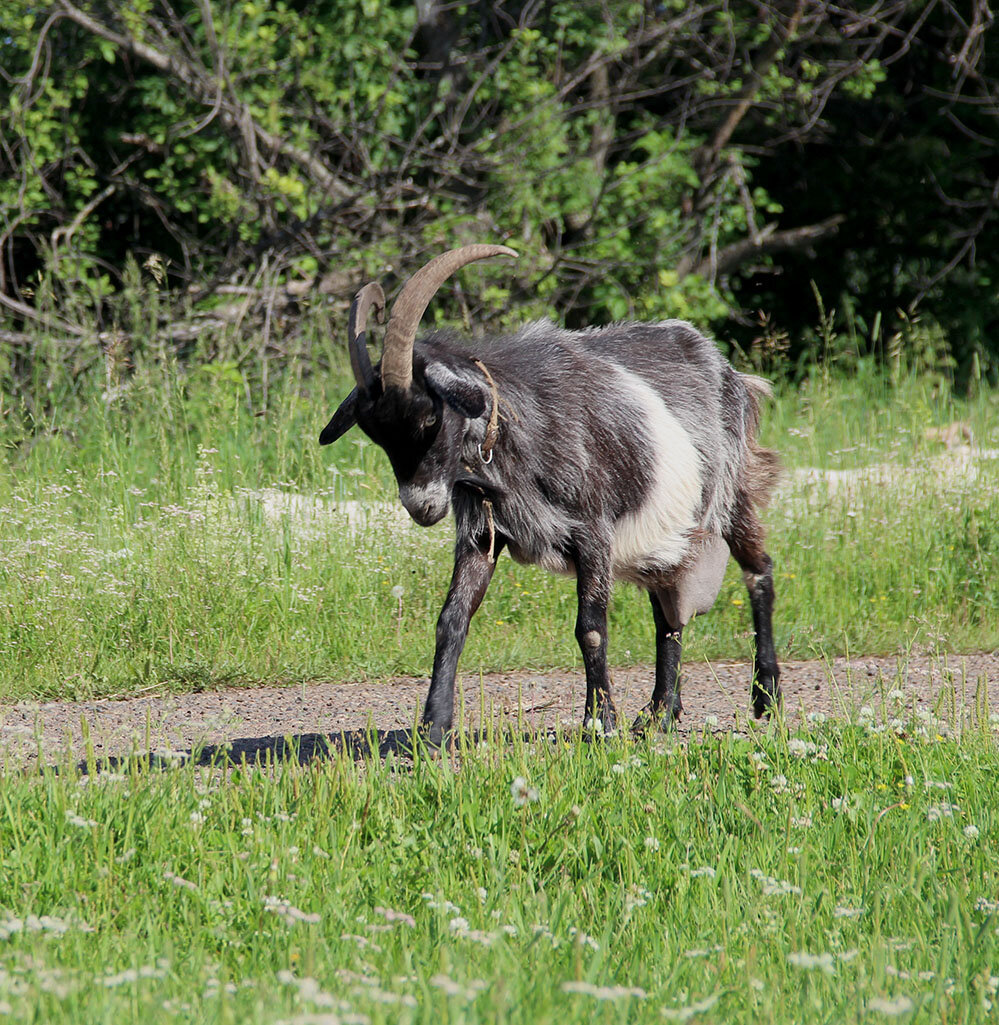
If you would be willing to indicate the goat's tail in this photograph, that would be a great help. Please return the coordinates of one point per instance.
(762, 469)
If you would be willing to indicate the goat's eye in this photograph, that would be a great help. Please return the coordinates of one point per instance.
(429, 420)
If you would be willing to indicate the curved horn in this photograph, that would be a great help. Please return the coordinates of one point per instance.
(370, 295)
(408, 309)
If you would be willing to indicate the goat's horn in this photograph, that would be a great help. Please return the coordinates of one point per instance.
(370, 295)
(408, 309)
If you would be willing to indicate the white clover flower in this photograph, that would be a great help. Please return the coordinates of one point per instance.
(651, 843)
(971, 831)
(711, 721)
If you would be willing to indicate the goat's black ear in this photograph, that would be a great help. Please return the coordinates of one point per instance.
(467, 395)
(343, 419)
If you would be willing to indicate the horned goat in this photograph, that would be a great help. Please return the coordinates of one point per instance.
(623, 452)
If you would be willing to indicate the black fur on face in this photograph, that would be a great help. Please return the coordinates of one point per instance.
(421, 431)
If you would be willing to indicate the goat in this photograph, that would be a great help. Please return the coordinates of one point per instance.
(623, 452)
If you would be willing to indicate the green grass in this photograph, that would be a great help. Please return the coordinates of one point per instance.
(137, 553)
(847, 873)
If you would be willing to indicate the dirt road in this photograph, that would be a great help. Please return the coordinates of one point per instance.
(256, 720)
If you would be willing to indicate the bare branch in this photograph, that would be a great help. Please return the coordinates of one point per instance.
(768, 240)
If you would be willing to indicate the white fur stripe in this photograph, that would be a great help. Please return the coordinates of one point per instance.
(657, 533)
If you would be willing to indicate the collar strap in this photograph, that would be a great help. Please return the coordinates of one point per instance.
(492, 428)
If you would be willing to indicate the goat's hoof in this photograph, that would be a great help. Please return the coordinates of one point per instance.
(766, 698)
(651, 719)
(603, 724)
(434, 737)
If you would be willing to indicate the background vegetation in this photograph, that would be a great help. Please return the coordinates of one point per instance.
(709, 160)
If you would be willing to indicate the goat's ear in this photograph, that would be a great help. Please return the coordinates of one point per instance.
(467, 395)
(343, 419)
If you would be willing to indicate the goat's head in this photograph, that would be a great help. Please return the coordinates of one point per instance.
(413, 404)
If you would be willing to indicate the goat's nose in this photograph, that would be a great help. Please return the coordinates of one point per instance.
(427, 503)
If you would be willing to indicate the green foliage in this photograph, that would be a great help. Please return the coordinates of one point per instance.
(255, 144)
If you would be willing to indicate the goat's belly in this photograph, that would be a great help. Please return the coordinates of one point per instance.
(655, 536)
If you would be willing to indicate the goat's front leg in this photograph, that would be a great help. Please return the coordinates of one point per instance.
(593, 584)
(473, 569)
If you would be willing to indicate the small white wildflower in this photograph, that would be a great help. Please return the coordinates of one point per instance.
(458, 924)
(482, 893)
(468, 991)
(704, 870)
(651, 843)
(940, 811)
(802, 959)
(891, 1008)
(522, 793)
(711, 722)
(179, 881)
(603, 992)
(286, 911)
(971, 831)
(391, 915)
(772, 886)
(81, 823)
(196, 819)
(688, 1012)
(843, 911)
(398, 591)
(816, 717)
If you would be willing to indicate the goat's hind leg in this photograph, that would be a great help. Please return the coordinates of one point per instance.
(758, 572)
(665, 707)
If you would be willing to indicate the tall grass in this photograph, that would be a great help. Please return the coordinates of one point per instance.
(164, 528)
(843, 874)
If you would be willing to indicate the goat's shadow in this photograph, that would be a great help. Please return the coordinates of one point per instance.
(302, 748)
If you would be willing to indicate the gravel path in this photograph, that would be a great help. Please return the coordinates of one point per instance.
(255, 721)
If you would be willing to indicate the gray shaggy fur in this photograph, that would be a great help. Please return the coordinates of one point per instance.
(627, 451)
